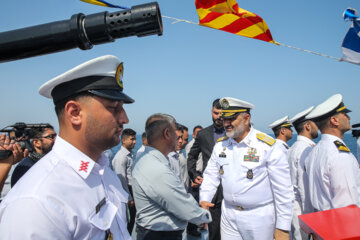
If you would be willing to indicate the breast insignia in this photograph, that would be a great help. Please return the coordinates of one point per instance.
(265, 138)
(342, 147)
(222, 139)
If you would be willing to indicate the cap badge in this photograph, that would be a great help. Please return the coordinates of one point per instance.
(119, 74)
(225, 104)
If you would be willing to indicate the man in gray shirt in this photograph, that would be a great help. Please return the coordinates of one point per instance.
(122, 164)
(164, 207)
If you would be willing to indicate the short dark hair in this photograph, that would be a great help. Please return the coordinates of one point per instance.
(179, 127)
(128, 132)
(38, 132)
(60, 105)
(216, 103)
(143, 135)
(156, 123)
(300, 126)
(323, 124)
(277, 132)
(196, 127)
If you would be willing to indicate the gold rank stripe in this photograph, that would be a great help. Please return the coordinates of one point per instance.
(234, 111)
(286, 125)
(340, 109)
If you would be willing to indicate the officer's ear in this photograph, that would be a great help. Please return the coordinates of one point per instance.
(72, 112)
(334, 120)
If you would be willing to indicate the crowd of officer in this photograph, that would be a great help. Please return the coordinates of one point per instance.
(250, 185)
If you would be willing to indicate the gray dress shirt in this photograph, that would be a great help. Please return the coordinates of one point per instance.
(122, 163)
(161, 200)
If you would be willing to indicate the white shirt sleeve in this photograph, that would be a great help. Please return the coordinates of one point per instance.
(46, 222)
(211, 180)
(345, 180)
(279, 175)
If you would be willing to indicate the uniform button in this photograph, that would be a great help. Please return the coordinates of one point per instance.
(239, 208)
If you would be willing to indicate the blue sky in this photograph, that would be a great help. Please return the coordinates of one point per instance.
(184, 70)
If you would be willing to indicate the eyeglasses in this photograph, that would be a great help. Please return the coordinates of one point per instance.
(51, 136)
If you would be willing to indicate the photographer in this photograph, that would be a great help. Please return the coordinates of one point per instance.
(15, 157)
(43, 139)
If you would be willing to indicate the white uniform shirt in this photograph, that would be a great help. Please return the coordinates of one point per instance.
(334, 175)
(57, 199)
(271, 177)
(283, 145)
(296, 156)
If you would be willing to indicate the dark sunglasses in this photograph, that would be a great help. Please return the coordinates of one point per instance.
(52, 136)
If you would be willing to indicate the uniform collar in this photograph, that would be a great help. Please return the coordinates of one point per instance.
(305, 139)
(78, 161)
(281, 141)
(329, 137)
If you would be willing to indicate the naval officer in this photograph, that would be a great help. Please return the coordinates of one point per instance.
(307, 131)
(71, 193)
(333, 171)
(282, 131)
(254, 172)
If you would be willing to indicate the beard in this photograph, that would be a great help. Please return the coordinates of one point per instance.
(314, 134)
(218, 123)
(236, 132)
(101, 134)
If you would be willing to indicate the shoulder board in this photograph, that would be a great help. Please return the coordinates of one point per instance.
(222, 139)
(265, 138)
(342, 147)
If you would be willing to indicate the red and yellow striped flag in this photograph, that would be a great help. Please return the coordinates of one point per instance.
(226, 15)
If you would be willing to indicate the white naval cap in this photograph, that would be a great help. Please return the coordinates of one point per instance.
(300, 117)
(232, 106)
(331, 106)
(102, 76)
(282, 122)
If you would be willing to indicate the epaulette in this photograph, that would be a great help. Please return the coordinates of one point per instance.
(222, 139)
(265, 138)
(342, 147)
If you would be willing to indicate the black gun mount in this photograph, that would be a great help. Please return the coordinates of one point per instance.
(80, 31)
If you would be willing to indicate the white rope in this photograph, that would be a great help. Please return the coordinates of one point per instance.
(177, 20)
(308, 51)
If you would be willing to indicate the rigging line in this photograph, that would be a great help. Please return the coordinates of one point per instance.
(177, 20)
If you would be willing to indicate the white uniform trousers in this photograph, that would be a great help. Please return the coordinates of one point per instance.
(296, 232)
(248, 224)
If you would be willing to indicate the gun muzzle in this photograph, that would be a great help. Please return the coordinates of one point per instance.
(80, 31)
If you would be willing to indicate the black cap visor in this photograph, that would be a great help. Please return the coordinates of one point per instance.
(112, 94)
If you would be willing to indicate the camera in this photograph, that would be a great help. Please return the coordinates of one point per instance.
(356, 132)
(21, 133)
